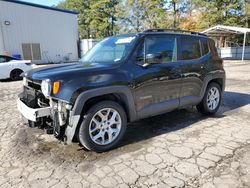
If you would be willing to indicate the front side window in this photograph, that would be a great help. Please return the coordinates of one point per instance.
(189, 48)
(163, 48)
(110, 50)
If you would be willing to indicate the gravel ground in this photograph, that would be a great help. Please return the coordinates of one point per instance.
(178, 149)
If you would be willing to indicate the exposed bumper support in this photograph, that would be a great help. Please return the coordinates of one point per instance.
(31, 113)
(71, 128)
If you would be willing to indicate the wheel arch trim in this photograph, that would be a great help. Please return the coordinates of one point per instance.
(123, 90)
(209, 78)
(76, 112)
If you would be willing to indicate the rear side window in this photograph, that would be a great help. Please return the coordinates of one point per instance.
(189, 48)
(204, 47)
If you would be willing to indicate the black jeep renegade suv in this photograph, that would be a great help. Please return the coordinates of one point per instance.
(122, 79)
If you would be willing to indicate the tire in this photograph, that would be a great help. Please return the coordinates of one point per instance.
(15, 74)
(98, 133)
(207, 106)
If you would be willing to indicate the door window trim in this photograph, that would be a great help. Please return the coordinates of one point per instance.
(143, 43)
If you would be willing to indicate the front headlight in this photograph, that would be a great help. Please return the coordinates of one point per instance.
(46, 87)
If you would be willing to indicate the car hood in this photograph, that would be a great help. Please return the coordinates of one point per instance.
(63, 70)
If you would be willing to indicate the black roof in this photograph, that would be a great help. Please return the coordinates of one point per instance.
(41, 6)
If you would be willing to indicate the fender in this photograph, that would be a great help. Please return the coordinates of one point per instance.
(211, 76)
(75, 113)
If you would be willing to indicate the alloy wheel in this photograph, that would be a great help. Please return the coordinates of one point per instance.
(213, 98)
(105, 126)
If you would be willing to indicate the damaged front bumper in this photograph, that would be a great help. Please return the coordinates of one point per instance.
(63, 122)
(54, 115)
(31, 113)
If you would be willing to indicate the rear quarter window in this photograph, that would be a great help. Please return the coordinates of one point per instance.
(213, 49)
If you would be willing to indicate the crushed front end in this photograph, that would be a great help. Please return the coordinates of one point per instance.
(40, 110)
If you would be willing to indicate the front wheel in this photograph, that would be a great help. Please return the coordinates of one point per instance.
(103, 126)
(211, 100)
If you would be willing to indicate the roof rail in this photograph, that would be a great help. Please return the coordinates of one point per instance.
(174, 30)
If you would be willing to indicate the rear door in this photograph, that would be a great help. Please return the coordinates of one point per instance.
(157, 85)
(192, 56)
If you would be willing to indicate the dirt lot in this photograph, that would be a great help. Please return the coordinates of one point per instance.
(178, 149)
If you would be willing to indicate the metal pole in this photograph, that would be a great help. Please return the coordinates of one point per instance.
(244, 44)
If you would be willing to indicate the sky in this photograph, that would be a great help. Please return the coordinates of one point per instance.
(44, 2)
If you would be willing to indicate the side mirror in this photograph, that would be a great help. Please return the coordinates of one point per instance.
(155, 58)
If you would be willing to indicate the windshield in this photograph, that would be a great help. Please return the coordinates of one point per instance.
(110, 50)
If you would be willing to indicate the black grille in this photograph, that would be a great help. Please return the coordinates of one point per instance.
(32, 95)
(34, 85)
(29, 97)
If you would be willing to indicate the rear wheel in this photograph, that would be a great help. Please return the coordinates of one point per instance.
(15, 74)
(211, 100)
(103, 126)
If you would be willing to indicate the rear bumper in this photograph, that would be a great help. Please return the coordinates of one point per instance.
(31, 113)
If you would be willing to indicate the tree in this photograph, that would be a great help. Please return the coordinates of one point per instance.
(103, 20)
(227, 12)
(175, 9)
(247, 13)
(138, 15)
(191, 21)
(96, 18)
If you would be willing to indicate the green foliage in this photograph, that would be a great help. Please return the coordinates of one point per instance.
(138, 15)
(101, 18)
(96, 17)
(227, 12)
(102, 13)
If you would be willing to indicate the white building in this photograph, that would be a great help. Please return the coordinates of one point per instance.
(87, 44)
(38, 33)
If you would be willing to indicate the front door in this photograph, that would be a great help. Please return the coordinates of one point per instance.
(157, 82)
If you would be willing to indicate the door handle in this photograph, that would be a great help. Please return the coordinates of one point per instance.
(175, 71)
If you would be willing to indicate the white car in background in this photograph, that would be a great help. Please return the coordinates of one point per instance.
(12, 68)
